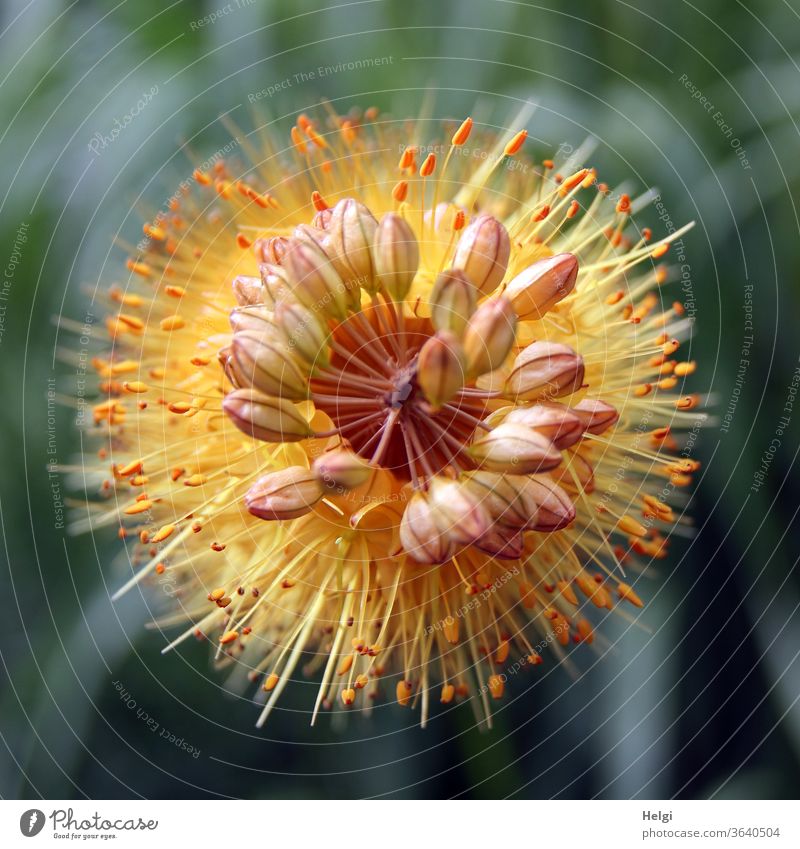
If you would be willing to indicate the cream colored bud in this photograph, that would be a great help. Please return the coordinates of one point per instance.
(556, 509)
(457, 511)
(507, 498)
(248, 290)
(285, 494)
(575, 468)
(516, 449)
(351, 230)
(309, 233)
(226, 360)
(542, 285)
(504, 543)
(596, 415)
(483, 251)
(441, 368)
(396, 256)
(322, 219)
(453, 300)
(268, 366)
(272, 250)
(545, 370)
(257, 318)
(305, 332)
(489, 336)
(341, 469)
(555, 421)
(314, 281)
(274, 282)
(420, 535)
(264, 417)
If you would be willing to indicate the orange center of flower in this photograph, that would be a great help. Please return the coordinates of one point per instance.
(372, 395)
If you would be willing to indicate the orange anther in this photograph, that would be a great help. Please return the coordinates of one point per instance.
(162, 533)
(428, 165)
(400, 191)
(172, 322)
(462, 133)
(516, 143)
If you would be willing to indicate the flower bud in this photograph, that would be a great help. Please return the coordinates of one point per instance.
(268, 365)
(309, 233)
(226, 360)
(248, 290)
(456, 511)
(542, 285)
(314, 281)
(545, 370)
(515, 448)
(272, 250)
(396, 256)
(264, 417)
(555, 421)
(504, 543)
(274, 283)
(285, 494)
(352, 233)
(341, 469)
(256, 318)
(483, 252)
(556, 509)
(304, 332)
(441, 368)
(453, 300)
(420, 535)
(489, 336)
(322, 219)
(506, 497)
(595, 415)
(576, 468)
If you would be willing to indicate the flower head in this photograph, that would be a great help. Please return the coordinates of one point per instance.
(391, 420)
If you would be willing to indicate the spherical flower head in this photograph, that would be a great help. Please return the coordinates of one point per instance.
(409, 419)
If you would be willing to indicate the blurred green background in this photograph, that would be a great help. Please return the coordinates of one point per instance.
(705, 704)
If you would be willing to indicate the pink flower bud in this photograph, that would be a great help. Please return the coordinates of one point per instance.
(341, 469)
(505, 497)
(305, 333)
(272, 250)
(516, 449)
(555, 421)
(264, 417)
(489, 336)
(396, 256)
(453, 300)
(542, 285)
(457, 511)
(268, 366)
(248, 290)
(285, 494)
(420, 535)
(556, 509)
(441, 369)
(314, 281)
(504, 543)
(483, 252)
(351, 230)
(595, 415)
(545, 370)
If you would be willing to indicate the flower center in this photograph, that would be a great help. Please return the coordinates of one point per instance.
(371, 393)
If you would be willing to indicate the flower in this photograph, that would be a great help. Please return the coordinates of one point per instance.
(372, 419)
